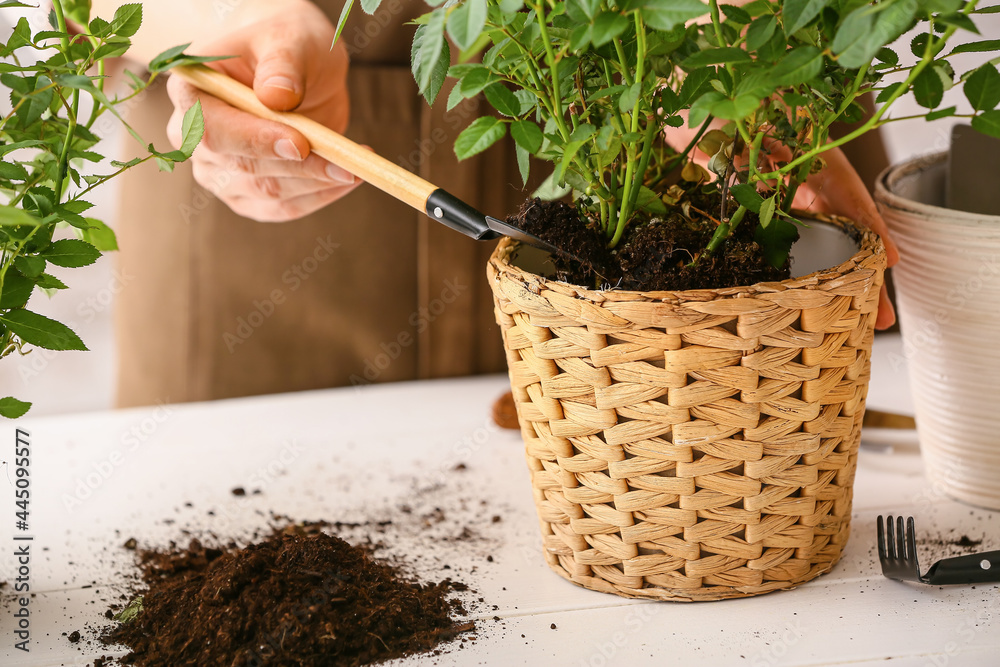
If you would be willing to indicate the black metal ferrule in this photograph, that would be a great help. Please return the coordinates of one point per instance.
(455, 213)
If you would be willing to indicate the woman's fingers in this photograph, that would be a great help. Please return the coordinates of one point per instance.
(230, 131)
(274, 210)
(886, 313)
(261, 169)
(228, 182)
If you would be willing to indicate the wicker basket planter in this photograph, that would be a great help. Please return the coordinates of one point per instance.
(694, 445)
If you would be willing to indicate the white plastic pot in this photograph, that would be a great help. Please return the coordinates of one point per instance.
(948, 297)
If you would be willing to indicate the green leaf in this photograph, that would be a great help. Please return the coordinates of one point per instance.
(748, 196)
(797, 14)
(582, 11)
(718, 105)
(13, 171)
(983, 88)
(888, 56)
(766, 211)
(941, 113)
(455, 97)
(41, 98)
(551, 189)
(16, 290)
(977, 47)
(30, 265)
(175, 56)
(959, 21)
(607, 26)
(127, 20)
(502, 99)
(988, 123)
(527, 135)
(11, 216)
(430, 55)
(666, 14)
(649, 201)
(342, 21)
(736, 14)
(7, 148)
(475, 80)
(48, 281)
(869, 28)
(370, 6)
(100, 235)
(888, 91)
(41, 331)
(760, 31)
(776, 241)
(717, 56)
(466, 22)
(629, 96)
(71, 253)
(798, 66)
(192, 128)
(695, 83)
(11, 408)
(523, 162)
(928, 89)
(478, 136)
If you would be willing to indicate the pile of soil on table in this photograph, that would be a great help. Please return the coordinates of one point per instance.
(653, 255)
(300, 597)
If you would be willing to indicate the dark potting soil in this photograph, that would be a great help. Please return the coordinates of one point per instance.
(300, 597)
(653, 256)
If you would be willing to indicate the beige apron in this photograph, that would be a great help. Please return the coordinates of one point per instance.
(367, 290)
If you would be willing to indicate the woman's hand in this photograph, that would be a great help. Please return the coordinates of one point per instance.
(261, 169)
(838, 190)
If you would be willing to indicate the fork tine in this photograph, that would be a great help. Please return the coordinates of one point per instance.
(911, 544)
(900, 538)
(880, 528)
(890, 542)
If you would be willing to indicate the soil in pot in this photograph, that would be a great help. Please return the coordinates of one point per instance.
(299, 597)
(653, 255)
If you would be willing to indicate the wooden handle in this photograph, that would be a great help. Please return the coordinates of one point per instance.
(329, 145)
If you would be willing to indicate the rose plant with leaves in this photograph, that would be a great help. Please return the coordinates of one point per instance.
(57, 92)
(594, 86)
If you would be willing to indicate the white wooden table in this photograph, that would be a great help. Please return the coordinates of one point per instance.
(360, 454)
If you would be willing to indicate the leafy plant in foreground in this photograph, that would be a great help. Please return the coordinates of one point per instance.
(57, 92)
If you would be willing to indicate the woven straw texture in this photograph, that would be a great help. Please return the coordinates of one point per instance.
(694, 445)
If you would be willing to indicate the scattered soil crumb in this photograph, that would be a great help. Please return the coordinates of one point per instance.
(74, 636)
(239, 491)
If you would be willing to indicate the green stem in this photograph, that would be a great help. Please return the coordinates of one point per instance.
(634, 179)
(722, 232)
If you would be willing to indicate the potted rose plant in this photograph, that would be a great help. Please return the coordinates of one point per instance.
(57, 92)
(691, 413)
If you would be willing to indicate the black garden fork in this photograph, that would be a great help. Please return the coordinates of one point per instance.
(897, 551)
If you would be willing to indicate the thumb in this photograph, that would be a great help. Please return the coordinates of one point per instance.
(280, 76)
